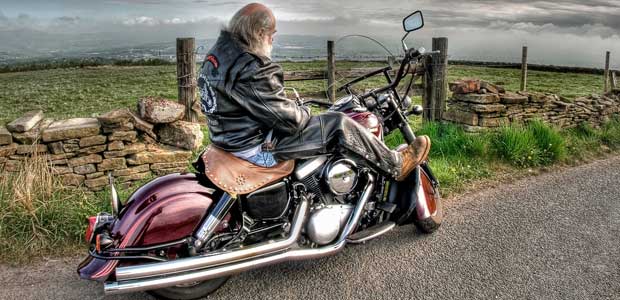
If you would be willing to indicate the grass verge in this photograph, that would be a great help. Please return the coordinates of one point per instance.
(41, 217)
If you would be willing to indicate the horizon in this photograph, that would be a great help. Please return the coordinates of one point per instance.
(568, 32)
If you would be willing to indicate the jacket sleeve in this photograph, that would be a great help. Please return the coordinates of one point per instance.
(261, 92)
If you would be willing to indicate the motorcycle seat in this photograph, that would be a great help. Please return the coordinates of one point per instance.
(237, 176)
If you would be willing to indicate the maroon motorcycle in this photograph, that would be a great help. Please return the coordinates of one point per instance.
(181, 236)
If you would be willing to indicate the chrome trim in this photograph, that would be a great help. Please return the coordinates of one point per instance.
(217, 258)
(115, 203)
(244, 265)
(309, 166)
(421, 207)
(331, 167)
(377, 234)
(266, 189)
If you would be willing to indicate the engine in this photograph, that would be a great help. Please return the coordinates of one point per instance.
(332, 182)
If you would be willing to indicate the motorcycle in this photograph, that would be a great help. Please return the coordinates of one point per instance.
(181, 236)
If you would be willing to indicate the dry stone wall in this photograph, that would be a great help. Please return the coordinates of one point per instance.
(82, 151)
(479, 105)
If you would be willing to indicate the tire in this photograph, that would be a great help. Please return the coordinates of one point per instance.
(433, 201)
(188, 292)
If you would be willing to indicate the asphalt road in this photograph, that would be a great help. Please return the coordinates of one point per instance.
(554, 236)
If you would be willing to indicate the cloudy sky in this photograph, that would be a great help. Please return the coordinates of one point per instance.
(567, 32)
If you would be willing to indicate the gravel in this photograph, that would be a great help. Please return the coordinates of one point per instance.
(554, 236)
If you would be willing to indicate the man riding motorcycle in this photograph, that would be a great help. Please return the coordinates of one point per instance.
(242, 94)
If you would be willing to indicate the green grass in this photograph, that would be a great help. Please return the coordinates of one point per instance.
(88, 91)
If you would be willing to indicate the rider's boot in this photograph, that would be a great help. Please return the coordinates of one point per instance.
(414, 155)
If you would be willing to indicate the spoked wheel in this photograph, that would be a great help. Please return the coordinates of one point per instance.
(189, 291)
(433, 203)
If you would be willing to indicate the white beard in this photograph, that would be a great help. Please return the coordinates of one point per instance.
(265, 50)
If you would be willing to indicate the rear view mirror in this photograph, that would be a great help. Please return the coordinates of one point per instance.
(413, 22)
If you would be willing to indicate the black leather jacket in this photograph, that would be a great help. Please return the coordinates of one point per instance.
(242, 95)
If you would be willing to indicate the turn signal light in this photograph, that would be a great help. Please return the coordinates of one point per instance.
(92, 221)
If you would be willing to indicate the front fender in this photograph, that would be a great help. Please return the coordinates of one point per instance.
(166, 209)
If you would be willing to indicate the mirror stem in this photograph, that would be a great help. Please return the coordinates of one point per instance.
(403, 42)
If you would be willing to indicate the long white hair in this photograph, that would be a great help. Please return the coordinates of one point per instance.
(249, 25)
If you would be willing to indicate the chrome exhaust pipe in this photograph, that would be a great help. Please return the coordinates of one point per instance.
(136, 285)
(217, 258)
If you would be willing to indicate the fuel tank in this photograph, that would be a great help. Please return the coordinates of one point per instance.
(166, 209)
(368, 120)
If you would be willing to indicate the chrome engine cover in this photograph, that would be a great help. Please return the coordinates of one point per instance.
(326, 222)
(341, 176)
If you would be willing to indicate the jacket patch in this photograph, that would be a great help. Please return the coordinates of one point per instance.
(212, 59)
(208, 100)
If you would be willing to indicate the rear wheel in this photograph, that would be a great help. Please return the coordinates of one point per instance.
(433, 202)
(189, 291)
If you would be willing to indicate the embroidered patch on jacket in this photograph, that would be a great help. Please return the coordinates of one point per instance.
(208, 100)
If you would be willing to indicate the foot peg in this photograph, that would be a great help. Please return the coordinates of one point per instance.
(371, 232)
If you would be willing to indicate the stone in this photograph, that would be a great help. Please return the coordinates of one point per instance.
(56, 148)
(93, 149)
(94, 175)
(116, 145)
(492, 122)
(18, 157)
(115, 117)
(26, 122)
(540, 98)
(473, 129)
(143, 126)
(96, 182)
(72, 141)
(59, 170)
(489, 87)
(72, 179)
(120, 127)
(181, 134)
(128, 136)
(59, 162)
(162, 172)
(465, 86)
(5, 136)
(159, 166)
(111, 164)
(478, 98)
(461, 117)
(129, 149)
(71, 129)
(135, 176)
(8, 150)
(159, 155)
(12, 165)
(160, 111)
(132, 170)
(512, 98)
(70, 147)
(83, 160)
(481, 108)
(85, 169)
(31, 149)
(34, 135)
(92, 141)
(148, 140)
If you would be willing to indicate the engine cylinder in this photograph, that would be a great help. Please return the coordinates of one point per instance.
(326, 222)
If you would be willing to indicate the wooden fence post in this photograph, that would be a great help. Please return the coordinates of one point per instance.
(186, 74)
(331, 71)
(614, 83)
(524, 69)
(436, 81)
(607, 57)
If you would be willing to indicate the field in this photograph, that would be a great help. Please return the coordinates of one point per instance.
(83, 92)
(40, 217)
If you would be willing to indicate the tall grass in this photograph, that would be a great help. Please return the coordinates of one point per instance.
(39, 216)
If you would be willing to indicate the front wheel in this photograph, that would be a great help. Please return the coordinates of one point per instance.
(190, 291)
(433, 202)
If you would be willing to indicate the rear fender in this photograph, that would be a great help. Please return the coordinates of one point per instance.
(166, 209)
